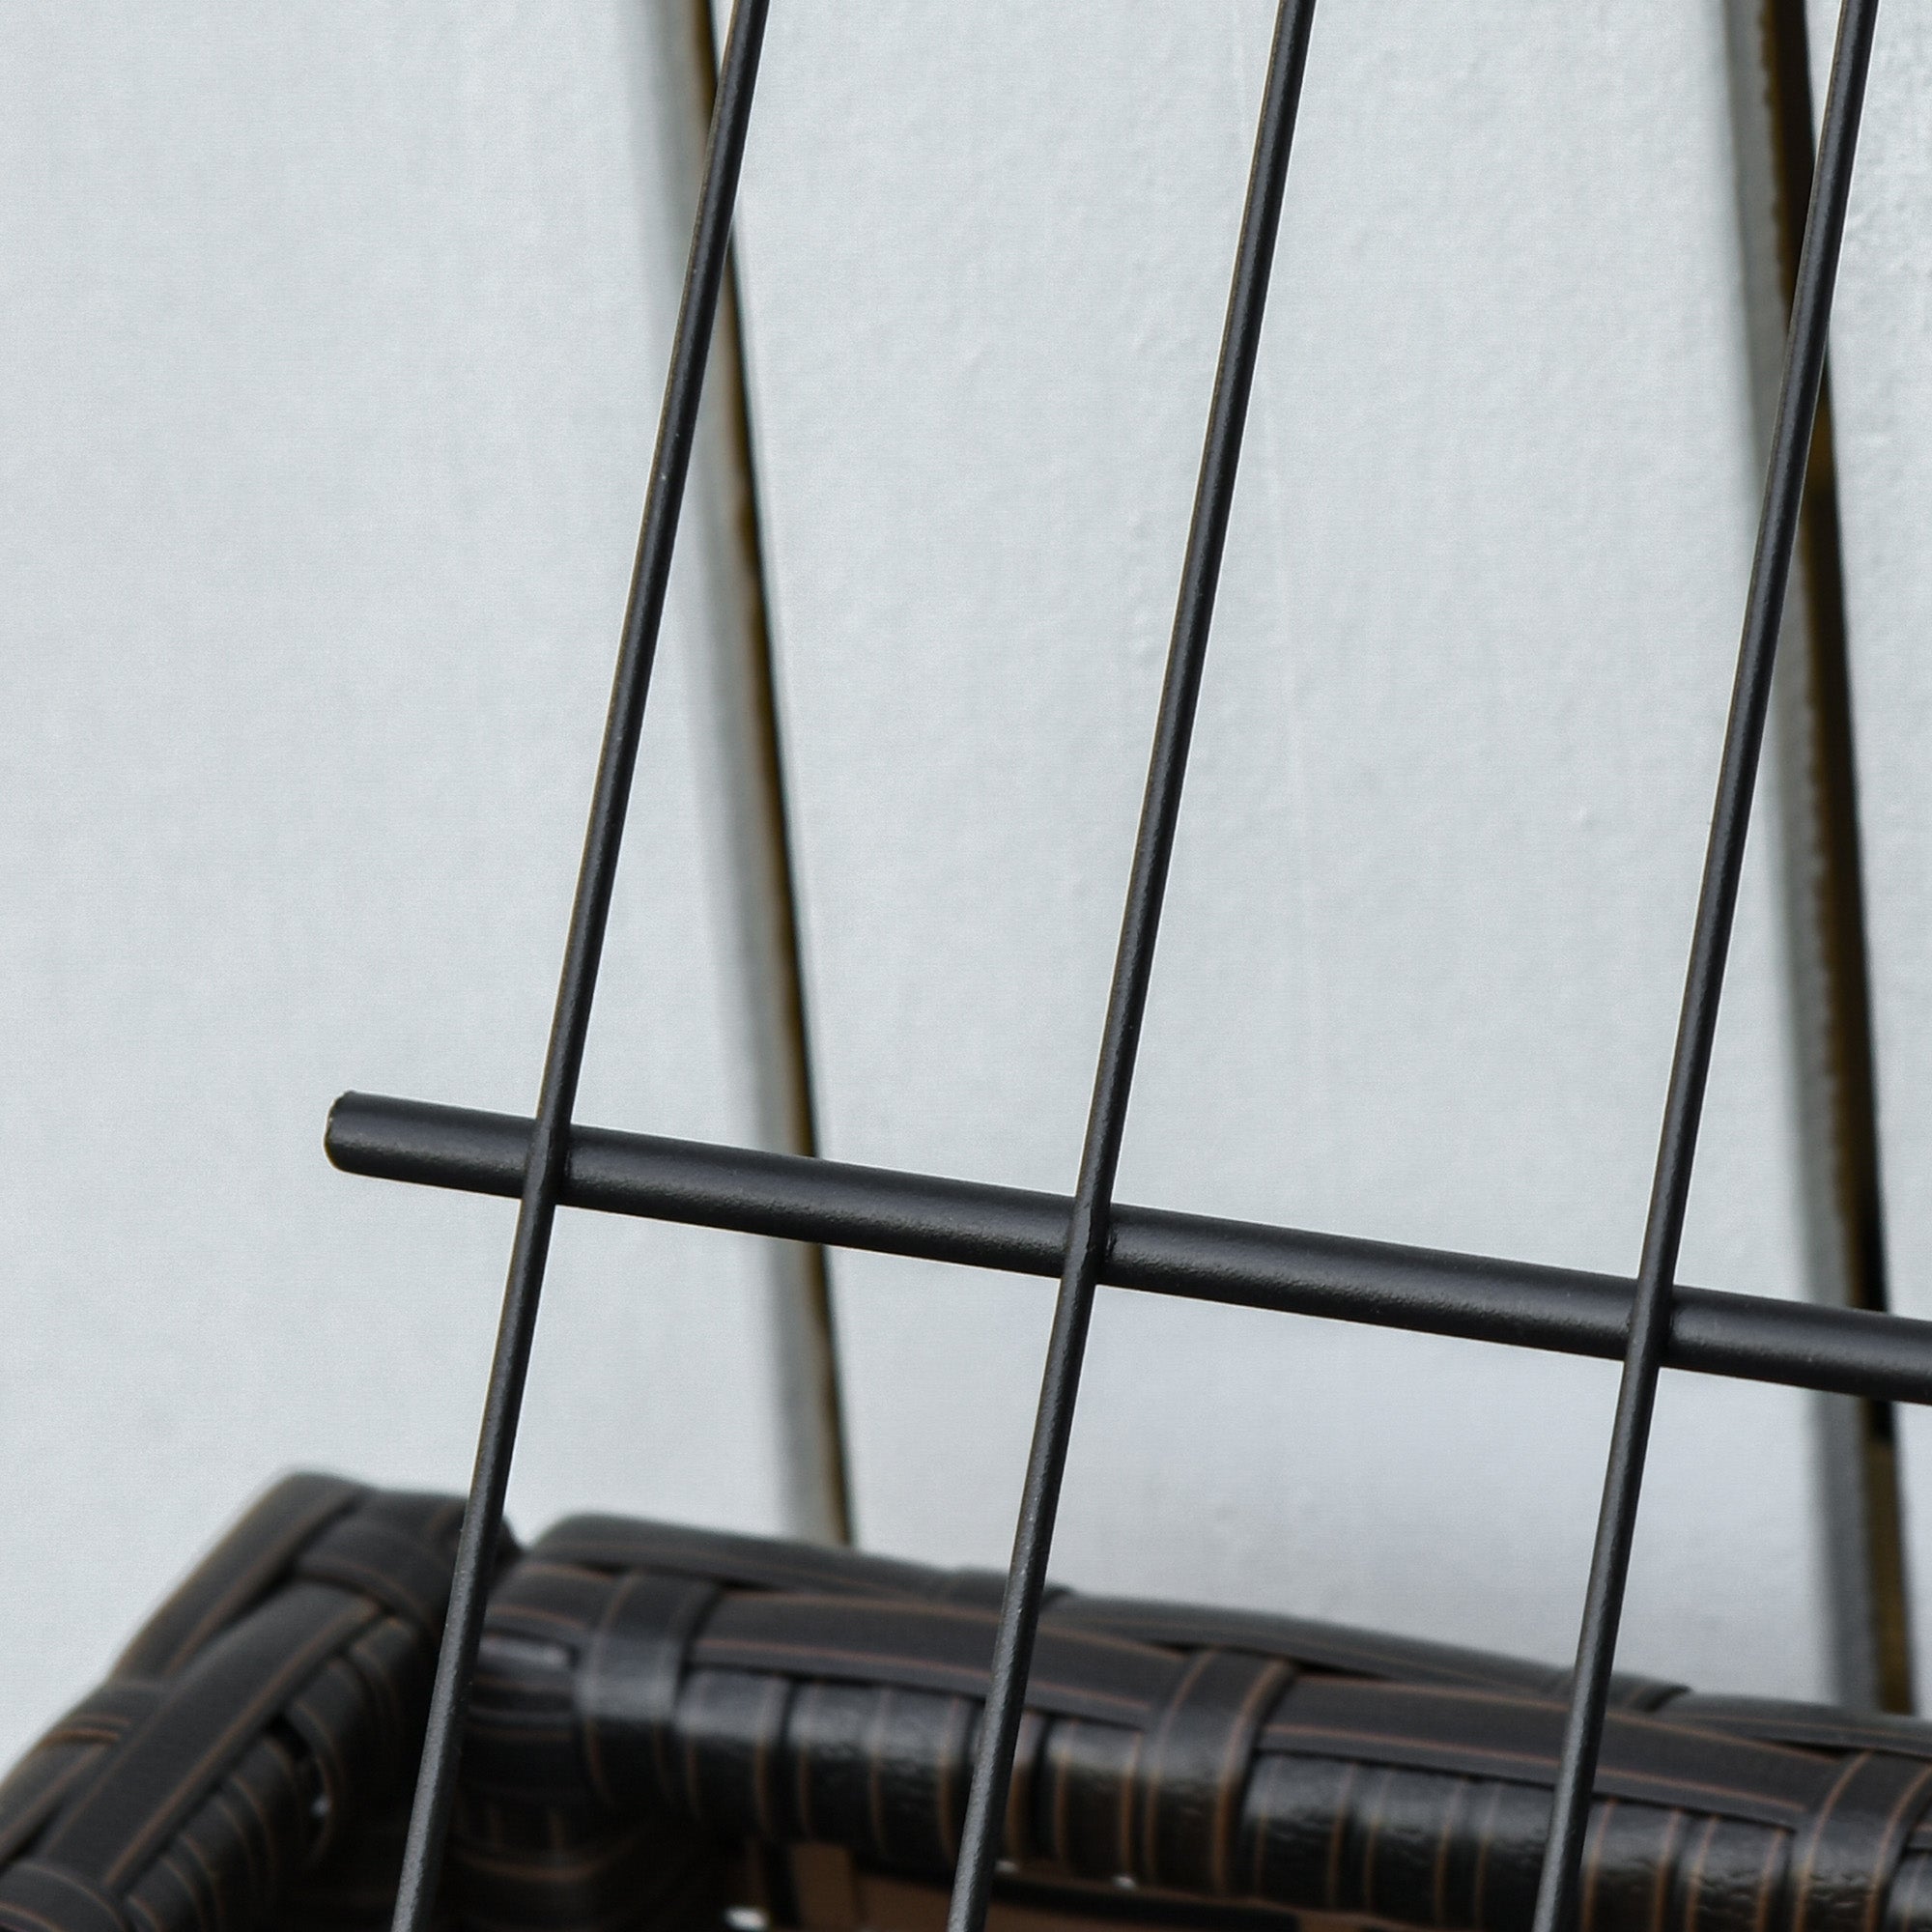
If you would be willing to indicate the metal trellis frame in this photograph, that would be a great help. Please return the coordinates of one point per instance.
(1086, 1240)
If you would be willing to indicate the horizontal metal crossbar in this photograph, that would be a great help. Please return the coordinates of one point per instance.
(1195, 1256)
(1086, 1238)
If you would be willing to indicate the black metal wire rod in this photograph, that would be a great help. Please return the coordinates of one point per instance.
(1709, 943)
(589, 914)
(1133, 963)
(1194, 1257)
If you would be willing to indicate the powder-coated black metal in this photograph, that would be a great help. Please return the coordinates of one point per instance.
(671, 462)
(1156, 1251)
(1133, 966)
(1086, 1240)
(1716, 904)
(1868, 1528)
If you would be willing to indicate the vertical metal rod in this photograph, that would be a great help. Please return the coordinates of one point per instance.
(746, 699)
(590, 915)
(1698, 1022)
(1812, 715)
(1133, 965)
(1841, 987)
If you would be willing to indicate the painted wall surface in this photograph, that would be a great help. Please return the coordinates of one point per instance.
(1881, 378)
(1429, 916)
(332, 349)
(332, 341)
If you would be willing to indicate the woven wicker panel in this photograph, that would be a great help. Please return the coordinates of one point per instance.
(732, 1694)
(247, 1762)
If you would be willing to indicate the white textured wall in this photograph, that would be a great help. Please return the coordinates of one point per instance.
(330, 351)
(1881, 378)
(1454, 765)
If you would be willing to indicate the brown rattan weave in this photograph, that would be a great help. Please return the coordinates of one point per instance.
(247, 1761)
(670, 1724)
(1175, 1762)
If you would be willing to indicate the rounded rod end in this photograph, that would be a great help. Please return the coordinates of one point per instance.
(589, 916)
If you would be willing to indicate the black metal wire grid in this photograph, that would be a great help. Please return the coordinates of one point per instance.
(548, 1162)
